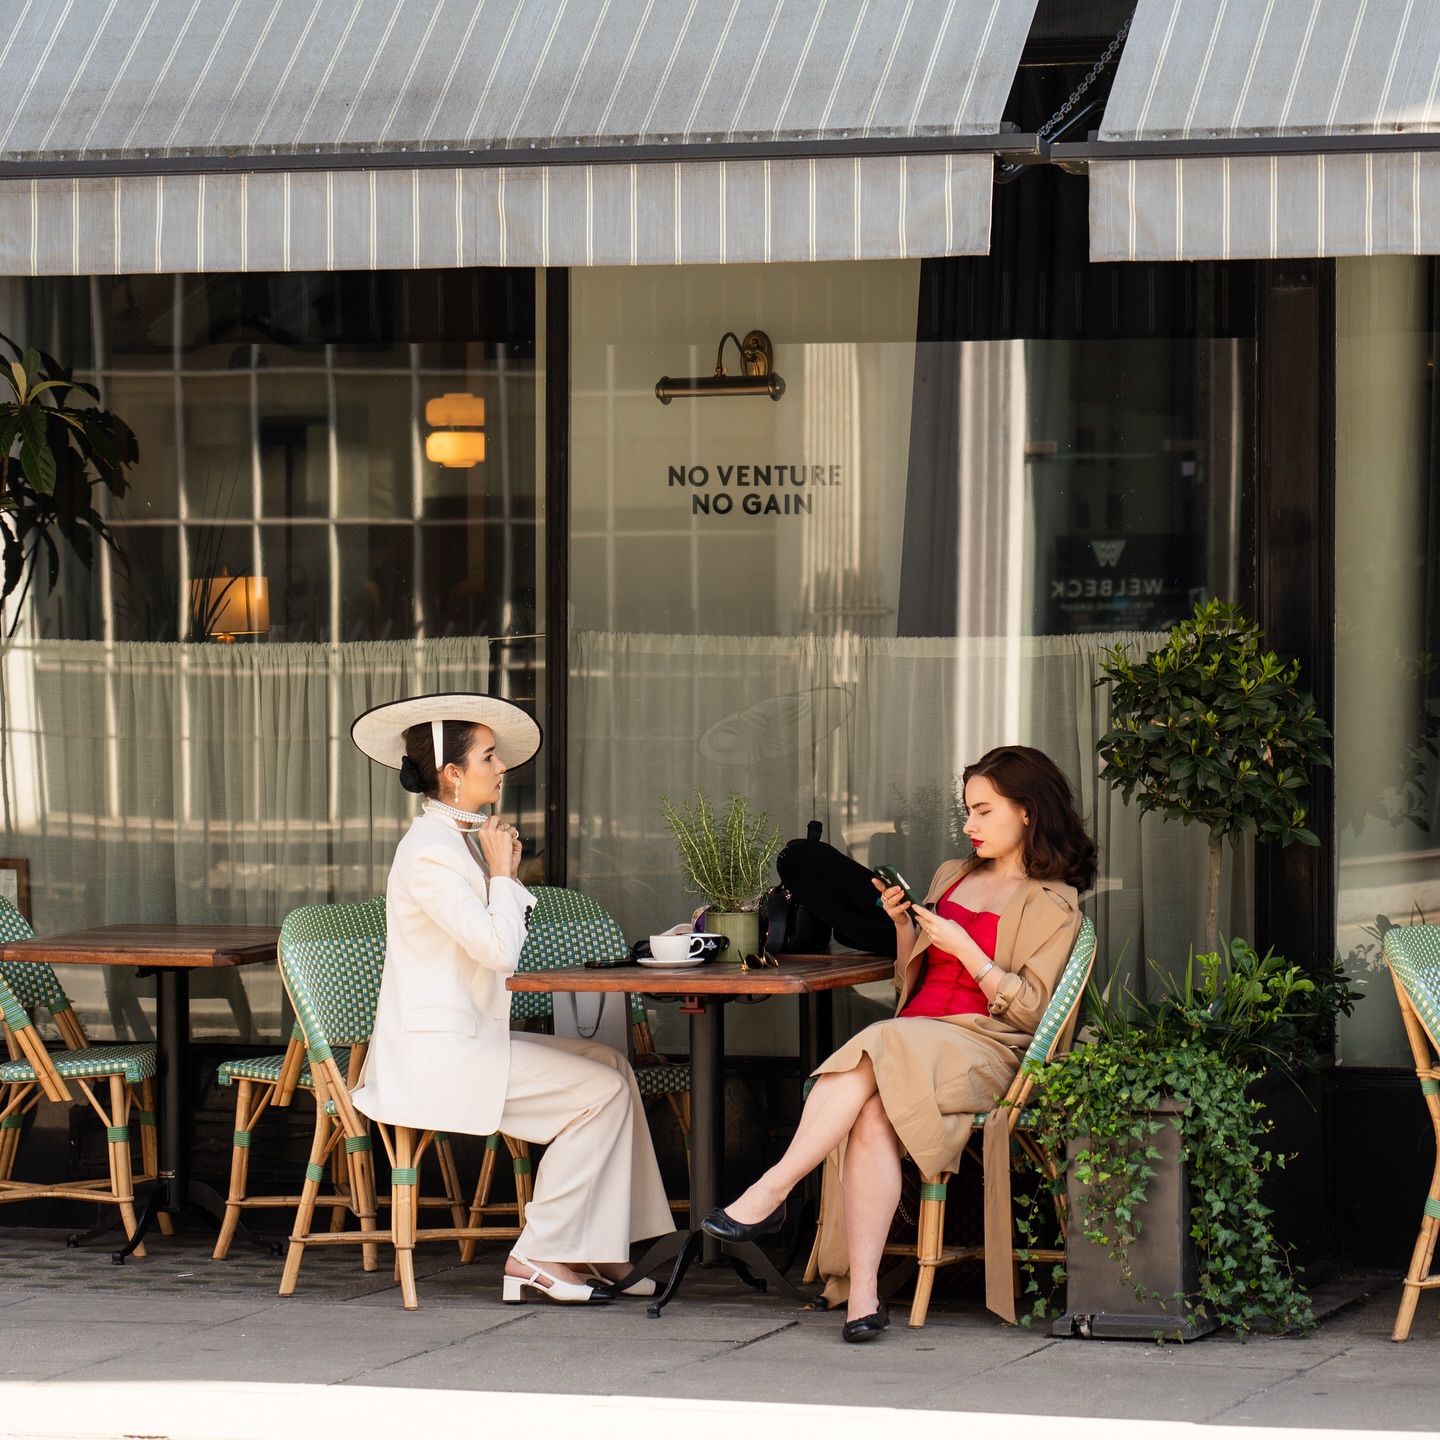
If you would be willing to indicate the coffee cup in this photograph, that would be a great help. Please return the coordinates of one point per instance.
(677, 947)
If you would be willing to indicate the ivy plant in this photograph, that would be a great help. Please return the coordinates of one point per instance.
(1101, 1102)
(1213, 728)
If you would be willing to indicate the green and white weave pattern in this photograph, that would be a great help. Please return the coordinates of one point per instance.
(566, 928)
(31, 983)
(1413, 954)
(267, 1069)
(332, 957)
(1067, 994)
(134, 1062)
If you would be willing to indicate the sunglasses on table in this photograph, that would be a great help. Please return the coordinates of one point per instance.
(758, 962)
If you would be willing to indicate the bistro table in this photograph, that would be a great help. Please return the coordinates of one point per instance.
(172, 952)
(703, 991)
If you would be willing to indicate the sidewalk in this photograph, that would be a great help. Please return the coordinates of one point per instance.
(71, 1319)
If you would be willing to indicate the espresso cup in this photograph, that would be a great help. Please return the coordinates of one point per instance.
(677, 947)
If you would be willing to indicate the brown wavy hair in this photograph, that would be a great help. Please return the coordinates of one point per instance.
(1057, 845)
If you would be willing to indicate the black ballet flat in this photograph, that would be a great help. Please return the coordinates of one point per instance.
(720, 1225)
(867, 1327)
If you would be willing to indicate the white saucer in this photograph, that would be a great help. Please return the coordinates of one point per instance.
(684, 964)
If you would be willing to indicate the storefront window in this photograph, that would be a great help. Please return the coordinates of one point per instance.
(981, 475)
(154, 774)
(1387, 628)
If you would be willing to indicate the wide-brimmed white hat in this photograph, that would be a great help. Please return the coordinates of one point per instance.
(380, 732)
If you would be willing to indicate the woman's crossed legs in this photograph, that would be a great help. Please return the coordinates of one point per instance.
(844, 1106)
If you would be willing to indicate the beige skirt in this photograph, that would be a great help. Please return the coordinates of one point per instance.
(934, 1077)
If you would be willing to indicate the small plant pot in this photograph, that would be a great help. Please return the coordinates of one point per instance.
(1099, 1304)
(743, 928)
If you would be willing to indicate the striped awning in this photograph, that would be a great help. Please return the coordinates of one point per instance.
(1270, 128)
(219, 135)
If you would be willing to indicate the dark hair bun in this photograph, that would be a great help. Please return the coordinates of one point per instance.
(410, 777)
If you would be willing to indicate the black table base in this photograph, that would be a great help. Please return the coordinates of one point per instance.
(707, 1156)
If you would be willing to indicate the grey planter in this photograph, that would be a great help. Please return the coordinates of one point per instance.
(1100, 1304)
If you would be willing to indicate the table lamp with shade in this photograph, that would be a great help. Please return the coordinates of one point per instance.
(229, 605)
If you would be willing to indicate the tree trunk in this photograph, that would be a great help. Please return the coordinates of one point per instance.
(1212, 898)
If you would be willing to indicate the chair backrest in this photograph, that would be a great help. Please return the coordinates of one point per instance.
(1066, 998)
(566, 928)
(29, 982)
(1413, 954)
(332, 957)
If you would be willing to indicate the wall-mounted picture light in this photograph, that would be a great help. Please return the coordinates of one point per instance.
(757, 377)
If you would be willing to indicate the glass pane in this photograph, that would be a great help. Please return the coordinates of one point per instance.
(294, 435)
(926, 547)
(145, 585)
(219, 474)
(296, 561)
(376, 440)
(377, 581)
(146, 403)
(1387, 629)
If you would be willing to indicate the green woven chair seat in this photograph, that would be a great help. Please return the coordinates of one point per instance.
(662, 1079)
(134, 1062)
(331, 1108)
(1026, 1121)
(25, 983)
(267, 1068)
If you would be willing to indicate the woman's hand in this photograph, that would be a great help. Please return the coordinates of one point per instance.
(897, 907)
(944, 934)
(500, 845)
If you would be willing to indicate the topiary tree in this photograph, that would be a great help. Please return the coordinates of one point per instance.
(1212, 728)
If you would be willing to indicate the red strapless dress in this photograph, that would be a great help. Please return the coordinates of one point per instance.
(947, 987)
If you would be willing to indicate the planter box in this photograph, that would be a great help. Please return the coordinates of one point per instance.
(1100, 1304)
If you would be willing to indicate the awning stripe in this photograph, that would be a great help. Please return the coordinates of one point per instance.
(1266, 206)
(734, 212)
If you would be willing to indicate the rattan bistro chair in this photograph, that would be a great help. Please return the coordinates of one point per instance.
(261, 1081)
(1052, 1038)
(34, 1073)
(568, 928)
(331, 959)
(1413, 954)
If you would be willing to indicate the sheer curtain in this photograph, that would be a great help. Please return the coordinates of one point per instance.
(868, 736)
(162, 782)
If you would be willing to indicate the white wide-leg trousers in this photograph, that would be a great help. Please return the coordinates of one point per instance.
(597, 1189)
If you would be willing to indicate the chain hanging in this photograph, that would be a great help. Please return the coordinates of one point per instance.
(1111, 50)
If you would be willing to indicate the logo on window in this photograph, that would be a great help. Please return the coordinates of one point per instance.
(1108, 552)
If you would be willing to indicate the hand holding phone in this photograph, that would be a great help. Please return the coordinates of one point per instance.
(890, 877)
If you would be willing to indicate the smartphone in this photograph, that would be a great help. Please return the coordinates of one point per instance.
(608, 964)
(891, 876)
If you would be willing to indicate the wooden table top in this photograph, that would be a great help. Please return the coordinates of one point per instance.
(155, 947)
(797, 975)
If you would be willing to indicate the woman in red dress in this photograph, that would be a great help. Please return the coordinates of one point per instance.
(975, 967)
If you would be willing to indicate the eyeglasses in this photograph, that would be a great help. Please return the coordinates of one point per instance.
(758, 962)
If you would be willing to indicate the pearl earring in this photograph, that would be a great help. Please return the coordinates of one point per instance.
(457, 792)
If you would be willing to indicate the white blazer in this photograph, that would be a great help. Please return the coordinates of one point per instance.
(440, 1055)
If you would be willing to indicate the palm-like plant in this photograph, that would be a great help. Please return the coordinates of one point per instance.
(53, 455)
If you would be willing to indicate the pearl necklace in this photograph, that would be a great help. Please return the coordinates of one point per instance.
(466, 822)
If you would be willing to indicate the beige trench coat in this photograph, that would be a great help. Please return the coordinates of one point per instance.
(934, 1075)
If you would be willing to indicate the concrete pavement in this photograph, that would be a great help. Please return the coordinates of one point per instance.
(75, 1329)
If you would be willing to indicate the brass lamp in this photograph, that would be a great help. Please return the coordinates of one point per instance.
(230, 605)
(455, 448)
(757, 373)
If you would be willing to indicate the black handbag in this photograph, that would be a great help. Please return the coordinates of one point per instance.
(787, 926)
(832, 893)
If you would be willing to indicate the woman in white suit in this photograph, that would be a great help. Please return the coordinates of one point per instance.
(443, 1056)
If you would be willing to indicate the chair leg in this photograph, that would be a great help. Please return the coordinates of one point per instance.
(524, 1177)
(246, 1115)
(150, 1149)
(929, 1242)
(450, 1179)
(812, 1265)
(122, 1173)
(361, 1159)
(305, 1212)
(1420, 1260)
(403, 1178)
(481, 1202)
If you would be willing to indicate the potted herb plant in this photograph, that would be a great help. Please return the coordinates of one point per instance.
(726, 860)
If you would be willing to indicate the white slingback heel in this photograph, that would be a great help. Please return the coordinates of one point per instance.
(642, 1286)
(562, 1292)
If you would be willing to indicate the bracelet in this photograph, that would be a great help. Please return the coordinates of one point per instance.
(984, 970)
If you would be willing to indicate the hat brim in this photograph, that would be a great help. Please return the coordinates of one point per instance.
(380, 732)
